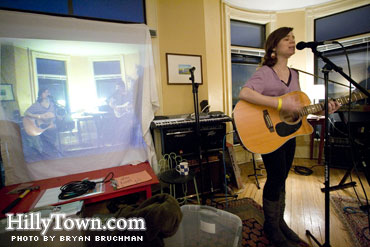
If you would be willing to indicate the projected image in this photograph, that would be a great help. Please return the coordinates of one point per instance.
(72, 98)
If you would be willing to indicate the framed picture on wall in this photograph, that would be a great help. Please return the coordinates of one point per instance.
(6, 92)
(178, 68)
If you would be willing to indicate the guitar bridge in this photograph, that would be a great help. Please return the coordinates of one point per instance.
(268, 122)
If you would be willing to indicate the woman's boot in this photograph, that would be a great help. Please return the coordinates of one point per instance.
(271, 224)
(288, 233)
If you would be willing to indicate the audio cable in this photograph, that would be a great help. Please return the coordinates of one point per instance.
(77, 188)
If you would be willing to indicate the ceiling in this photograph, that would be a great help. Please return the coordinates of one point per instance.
(275, 5)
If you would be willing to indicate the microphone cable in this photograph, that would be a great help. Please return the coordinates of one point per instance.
(302, 170)
(77, 188)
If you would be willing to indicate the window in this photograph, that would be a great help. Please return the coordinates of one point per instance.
(345, 24)
(247, 34)
(127, 11)
(359, 57)
(51, 74)
(243, 67)
(244, 61)
(132, 11)
(45, 6)
(249, 39)
(107, 74)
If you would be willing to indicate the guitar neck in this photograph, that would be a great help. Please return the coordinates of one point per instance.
(315, 108)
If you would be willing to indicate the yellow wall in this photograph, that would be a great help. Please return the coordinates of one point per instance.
(212, 21)
(181, 30)
(297, 21)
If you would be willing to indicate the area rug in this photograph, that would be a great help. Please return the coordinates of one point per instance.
(251, 214)
(353, 218)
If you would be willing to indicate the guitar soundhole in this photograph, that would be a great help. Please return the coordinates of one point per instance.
(43, 126)
(290, 118)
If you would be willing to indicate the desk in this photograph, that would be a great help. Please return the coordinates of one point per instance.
(31, 199)
(314, 121)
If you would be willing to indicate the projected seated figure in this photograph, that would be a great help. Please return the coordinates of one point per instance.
(40, 140)
(118, 101)
(118, 128)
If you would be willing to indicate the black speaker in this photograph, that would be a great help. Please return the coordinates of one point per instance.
(340, 153)
(343, 153)
(183, 140)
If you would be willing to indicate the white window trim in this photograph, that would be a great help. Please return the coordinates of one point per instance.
(104, 59)
(346, 43)
(232, 13)
(35, 55)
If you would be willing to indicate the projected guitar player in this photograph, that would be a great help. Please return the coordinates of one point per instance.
(119, 122)
(118, 101)
(39, 123)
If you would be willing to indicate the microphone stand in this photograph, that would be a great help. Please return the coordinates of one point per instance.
(326, 69)
(305, 72)
(197, 131)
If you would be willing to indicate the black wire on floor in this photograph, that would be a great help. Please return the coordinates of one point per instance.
(302, 170)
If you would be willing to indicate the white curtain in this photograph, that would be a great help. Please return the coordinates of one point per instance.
(24, 37)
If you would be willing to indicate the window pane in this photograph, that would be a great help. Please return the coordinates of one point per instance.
(107, 75)
(128, 10)
(247, 34)
(360, 62)
(107, 68)
(51, 74)
(240, 74)
(50, 67)
(345, 24)
(57, 89)
(54, 6)
(116, 10)
(106, 87)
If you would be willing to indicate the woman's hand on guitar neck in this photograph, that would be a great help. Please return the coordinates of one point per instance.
(333, 106)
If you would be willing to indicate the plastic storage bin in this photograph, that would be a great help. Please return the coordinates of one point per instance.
(206, 226)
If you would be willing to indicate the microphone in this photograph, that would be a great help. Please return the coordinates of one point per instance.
(313, 44)
(192, 69)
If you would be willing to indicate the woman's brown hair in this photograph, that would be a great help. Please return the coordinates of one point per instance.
(271, 42)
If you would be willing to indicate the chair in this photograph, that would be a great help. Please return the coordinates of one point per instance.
(169, 175)
(12, 153)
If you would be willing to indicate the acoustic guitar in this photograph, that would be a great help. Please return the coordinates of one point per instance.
(263, 129)
(37, 126)
(120, 110)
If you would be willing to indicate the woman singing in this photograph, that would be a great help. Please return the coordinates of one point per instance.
(271, 80)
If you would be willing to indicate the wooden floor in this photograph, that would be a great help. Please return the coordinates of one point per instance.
(305, 203)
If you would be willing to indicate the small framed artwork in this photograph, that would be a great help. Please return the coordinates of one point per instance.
(178, 68)
(6, 92)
